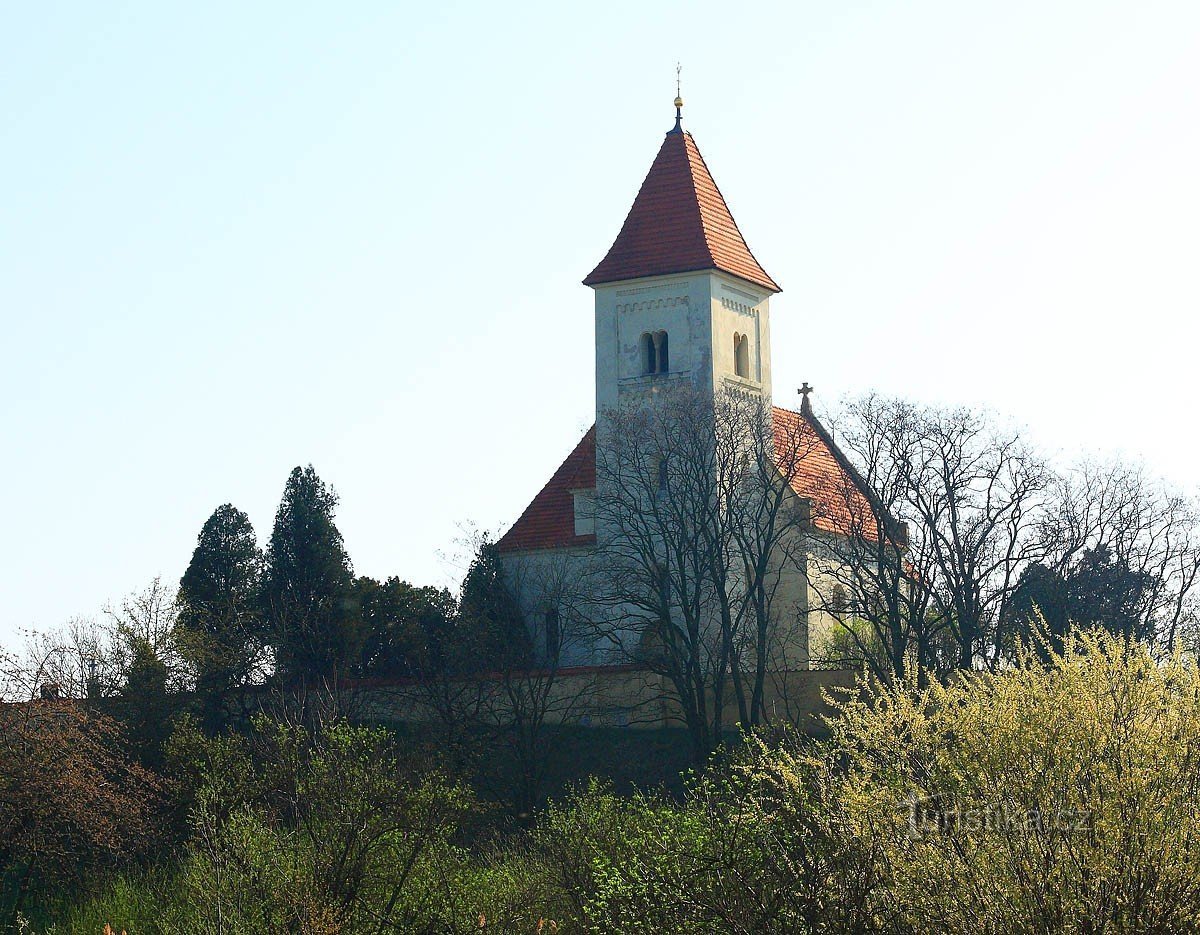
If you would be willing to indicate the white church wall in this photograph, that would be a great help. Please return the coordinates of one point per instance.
(737, 307)
(555, 580)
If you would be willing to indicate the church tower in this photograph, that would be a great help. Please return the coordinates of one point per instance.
(680, 302)
(679, 295)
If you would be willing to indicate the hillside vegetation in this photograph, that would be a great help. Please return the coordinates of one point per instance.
(1056, 796)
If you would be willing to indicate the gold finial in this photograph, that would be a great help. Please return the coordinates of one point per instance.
(678, 98)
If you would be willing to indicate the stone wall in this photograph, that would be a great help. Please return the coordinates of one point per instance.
(597, 696)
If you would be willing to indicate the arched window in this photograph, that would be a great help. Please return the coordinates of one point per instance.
(741, 355)
(656, 355)
(649, 354)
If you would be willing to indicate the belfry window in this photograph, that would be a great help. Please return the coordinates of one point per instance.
(656, 357)
(741, 355)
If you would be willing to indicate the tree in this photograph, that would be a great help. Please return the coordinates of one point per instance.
(146, 621)
(220, 618)
(1041, 605)
(490, 677)
(490, 612)
(874, 572)
(700, 554)
(952, 520)
(398, 621)
(1136, 539)
(146, 705)
(308, 586)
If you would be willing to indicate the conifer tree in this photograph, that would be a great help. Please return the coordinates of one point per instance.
(489, 617)
(308, 595)
(219, 614)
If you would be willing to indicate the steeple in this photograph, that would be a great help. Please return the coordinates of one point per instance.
(679, 223)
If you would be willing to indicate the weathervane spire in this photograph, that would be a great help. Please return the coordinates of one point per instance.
(678, 101)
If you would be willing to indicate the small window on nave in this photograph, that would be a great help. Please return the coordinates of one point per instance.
(838, 601)
(553, 635)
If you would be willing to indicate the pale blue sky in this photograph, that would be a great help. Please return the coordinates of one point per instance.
(239, 237)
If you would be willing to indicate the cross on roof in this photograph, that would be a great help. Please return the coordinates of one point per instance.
(805, 405)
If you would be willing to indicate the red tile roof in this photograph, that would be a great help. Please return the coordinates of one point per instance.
(817, 470)
(807, 455)
(549, 521)
(678, 223)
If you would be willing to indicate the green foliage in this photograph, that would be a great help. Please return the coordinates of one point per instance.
(490, 621)
(308, 586)
(1057, 796)
(146, 705)
(1098, 590)
(399, 624)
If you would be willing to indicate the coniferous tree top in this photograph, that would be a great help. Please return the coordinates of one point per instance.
(221, 583)
(308, 583)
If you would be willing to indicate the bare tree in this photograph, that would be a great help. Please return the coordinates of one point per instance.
(767, 470)
(77, 661)
(978, 491)
(923, 565)
(1145, 530)
(875, 573)
(91, 657)
(699, 570)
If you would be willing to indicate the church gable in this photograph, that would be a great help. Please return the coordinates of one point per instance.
(840, 501)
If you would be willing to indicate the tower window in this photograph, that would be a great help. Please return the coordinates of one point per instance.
(656, 357)
(741, 355)
(661, 469)
(553, 635)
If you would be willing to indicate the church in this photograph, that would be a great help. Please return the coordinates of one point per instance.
(680, 299)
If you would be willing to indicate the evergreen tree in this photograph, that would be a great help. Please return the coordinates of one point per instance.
(1097, 591)
(146, 705)
(308, 595)
(489, 619)
(1105, 592)
(1041, 602)
(222, 628)
(399, 622)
